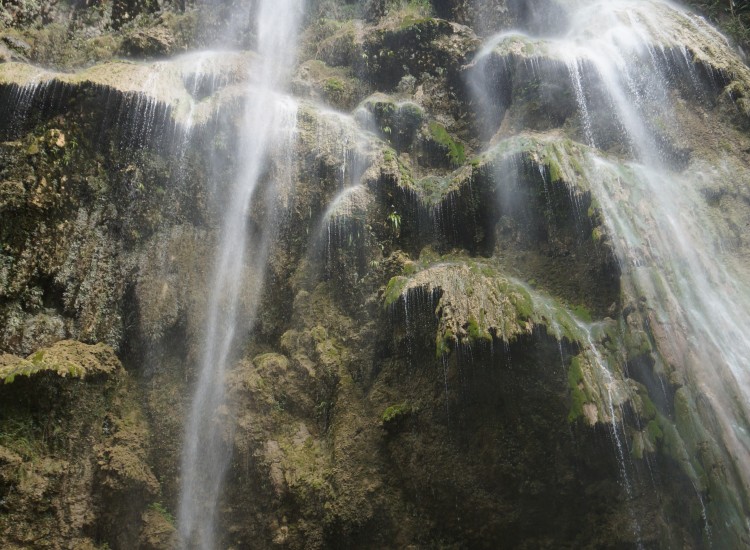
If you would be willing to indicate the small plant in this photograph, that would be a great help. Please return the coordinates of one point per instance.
(394, 218)
(159, 508)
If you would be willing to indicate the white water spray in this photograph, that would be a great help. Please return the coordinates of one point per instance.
(624, 59)
(268, 125)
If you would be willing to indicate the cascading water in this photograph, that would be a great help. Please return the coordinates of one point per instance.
(268, 125)
(528, 327)
(621, 62)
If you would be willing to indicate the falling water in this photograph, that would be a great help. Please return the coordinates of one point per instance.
(268, 125)
(623, 60)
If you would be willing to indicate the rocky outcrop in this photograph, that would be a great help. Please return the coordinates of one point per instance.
(74, 450)
(448, 350)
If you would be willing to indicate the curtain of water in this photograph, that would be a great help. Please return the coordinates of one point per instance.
(266, 129)
(623, 59)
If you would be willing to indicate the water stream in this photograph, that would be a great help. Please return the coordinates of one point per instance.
(268, 126)
(623, 59)
(612, 80)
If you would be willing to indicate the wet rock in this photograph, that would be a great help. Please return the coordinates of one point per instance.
(335, 86)
(396, 121)
(416, 46)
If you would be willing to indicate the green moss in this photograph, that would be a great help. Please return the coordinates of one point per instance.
(577, 395)
(396, 413)
(433, 189)
(411, 21)
(476, 329)
(405, 172)
(456, 153)
(596, 234)
(409, 268)
(334, 86)
(555, 172)
(582, 313)
(654, 431)
(523, 303)
(473, 329)
(444, 342)
(648, 407)
(675, 447)
(573, 160)
(394, 289)
(637, 343)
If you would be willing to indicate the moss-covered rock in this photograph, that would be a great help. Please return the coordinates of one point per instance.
(170, 84)
(408, 44)
(65, 358)
(436, 328)
(397, 122)
(335, 86)
(73, 450)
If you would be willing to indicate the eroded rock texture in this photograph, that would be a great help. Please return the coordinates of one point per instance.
(443, 290)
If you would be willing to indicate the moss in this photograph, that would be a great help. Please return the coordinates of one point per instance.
(577, 395)
(71, 442)
(473, 328)
(433, 189)
(674, 446)
(597, 234)
(443, 343)
(476, 329)
(582, 313)
(637, 343)
(65, 358)
(334, 85)
(394, 289)
(524, 304)
(648, 409)
(654, 431)
(395, 414)
(409, 268)
(555, 172)
(407, 180)
(340, 91)
(440, 135)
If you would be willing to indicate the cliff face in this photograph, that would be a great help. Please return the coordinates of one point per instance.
(454, 345)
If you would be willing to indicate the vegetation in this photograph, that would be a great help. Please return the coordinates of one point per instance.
(732, 16)
(395, 414)
(160, 509)
(455, 150)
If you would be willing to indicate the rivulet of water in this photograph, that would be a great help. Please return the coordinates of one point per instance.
(268, 126)
(621, 64)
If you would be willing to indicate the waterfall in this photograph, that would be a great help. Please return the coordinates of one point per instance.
(622, 63)
(267, 126)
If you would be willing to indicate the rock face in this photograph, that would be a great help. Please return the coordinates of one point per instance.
(74, 450)
(452, 348)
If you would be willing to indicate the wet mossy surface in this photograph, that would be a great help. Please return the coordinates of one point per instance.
(420, 371)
